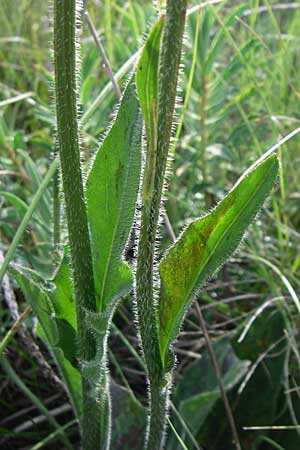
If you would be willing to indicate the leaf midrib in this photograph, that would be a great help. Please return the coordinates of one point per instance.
(188, 296)
(108, 264)
(224, 233)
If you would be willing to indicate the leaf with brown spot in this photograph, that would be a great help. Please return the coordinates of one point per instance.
(205, 245)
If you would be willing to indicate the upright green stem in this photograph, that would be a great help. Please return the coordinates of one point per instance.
(153, 183)
(66, 18)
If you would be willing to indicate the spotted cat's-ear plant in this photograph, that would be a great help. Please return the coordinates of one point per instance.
(76, 306)
(165, 289)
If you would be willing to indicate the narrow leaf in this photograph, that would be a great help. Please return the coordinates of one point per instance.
(205, 245)
(147, 80)
(111, 193)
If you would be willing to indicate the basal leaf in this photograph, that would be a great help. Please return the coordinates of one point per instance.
(198, 390)
(128, 419)
(111, 193)
(57, 333)
(205, 244)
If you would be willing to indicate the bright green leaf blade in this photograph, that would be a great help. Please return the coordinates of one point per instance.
(147, 80)
(205, 244)
(111, 193)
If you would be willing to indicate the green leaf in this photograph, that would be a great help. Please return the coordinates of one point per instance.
(196, 409)
(128, 419)
(58, 334)
(198, 390)
(111, 193)
(262, 401)
(147, 90)
(38, 298)
(63, 296)
(147, 80)
(205, 245)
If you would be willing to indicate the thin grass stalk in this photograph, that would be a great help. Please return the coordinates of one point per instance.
(152, 190)
(66, 22)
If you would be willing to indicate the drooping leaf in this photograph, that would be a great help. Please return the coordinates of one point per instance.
(39, 300)
(205, 244)
(111, 193)
(57, 333)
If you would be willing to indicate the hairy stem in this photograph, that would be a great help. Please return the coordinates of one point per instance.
(66, 18)
(56, 208)
(153, 183)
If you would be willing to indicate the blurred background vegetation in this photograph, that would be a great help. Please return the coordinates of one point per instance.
(240, 94)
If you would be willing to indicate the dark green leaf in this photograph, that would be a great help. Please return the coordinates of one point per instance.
(111, 193)
(198, 391)
(128, 420)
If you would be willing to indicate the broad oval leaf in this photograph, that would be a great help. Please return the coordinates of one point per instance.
(111, 194)
(205, 245)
